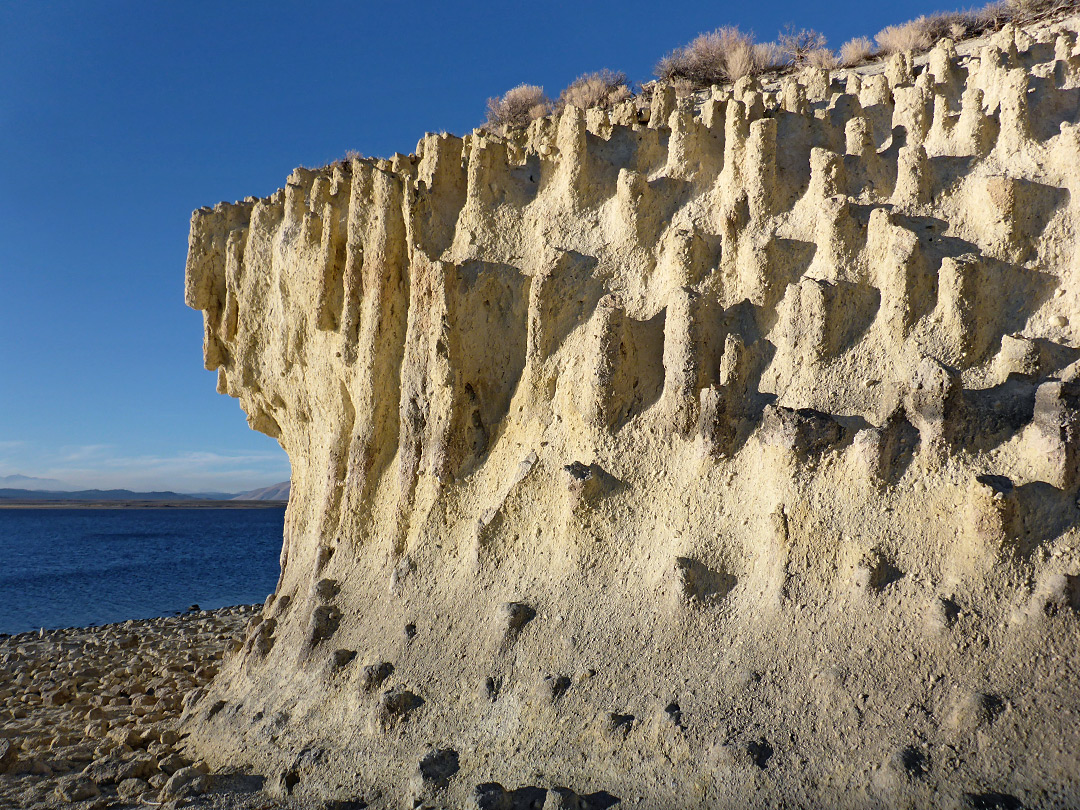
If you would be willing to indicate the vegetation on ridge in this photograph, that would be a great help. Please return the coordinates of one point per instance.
(718, 57)
(604, 88)
(517, 108)
(727, 54)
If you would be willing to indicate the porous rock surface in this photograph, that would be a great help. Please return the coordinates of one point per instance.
(720, 453)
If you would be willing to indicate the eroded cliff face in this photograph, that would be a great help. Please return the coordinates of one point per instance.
(721, 454)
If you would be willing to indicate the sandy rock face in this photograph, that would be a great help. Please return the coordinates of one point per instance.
(721, 453)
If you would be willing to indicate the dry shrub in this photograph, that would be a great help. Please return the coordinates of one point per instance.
(724, 55)
(924, 32)
(958, 30)
(1028, 10)
(797, 45)
(517, 107)
(993, 16)
(951, 24)
(345, 162)
(683, 88)
(604, 88)
(856, 51)
(909, 36)
(822, 58)
(767, 55)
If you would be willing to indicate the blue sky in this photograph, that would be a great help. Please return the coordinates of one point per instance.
(117, 119)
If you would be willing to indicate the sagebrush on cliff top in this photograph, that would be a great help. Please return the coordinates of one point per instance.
(727, 54)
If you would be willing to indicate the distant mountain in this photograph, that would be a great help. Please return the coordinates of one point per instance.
(274, 492)
(29, 481)
(8, 494)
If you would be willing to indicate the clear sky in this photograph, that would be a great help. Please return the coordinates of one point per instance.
(118, 118)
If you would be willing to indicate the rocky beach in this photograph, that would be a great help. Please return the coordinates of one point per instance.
(89, 716)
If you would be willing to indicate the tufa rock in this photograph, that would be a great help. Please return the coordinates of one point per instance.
(765, 378)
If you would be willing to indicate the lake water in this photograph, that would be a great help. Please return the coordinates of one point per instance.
(78, 567)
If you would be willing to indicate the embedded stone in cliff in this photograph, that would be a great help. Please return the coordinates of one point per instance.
(802, 431)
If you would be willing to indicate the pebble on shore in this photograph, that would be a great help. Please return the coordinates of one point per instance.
(88, 716)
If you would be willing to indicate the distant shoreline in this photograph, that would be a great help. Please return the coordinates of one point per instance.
(136, 504)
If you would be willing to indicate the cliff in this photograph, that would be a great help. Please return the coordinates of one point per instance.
(723, 453)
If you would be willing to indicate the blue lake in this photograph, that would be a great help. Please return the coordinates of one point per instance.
(78, 567)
